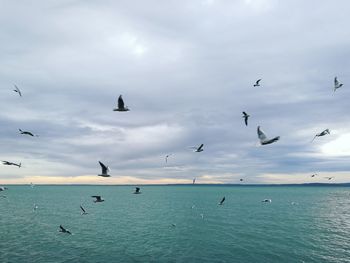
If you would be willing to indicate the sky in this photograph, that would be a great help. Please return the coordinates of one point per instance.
(186, 70)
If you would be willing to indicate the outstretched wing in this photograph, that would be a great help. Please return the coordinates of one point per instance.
(257, 82)
(200, 147)
(261, 135)
(104, 168)
(82, 209)
(98, 197)
(62, 228)
(336, 82)
(120, 102)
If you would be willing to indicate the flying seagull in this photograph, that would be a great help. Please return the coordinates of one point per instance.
(337, 85)
(105, 170)
(257, 84)
(27, 133)
(263, 139)
(83, 210)
(198, 149)
(241, 180)
(245, 116)
(63, 230)
(222, 201)
(121, 106)
(194, 181)
(137, 190)
(35, 207)
(10, 163)
(313, 175)
(18, 91)
(166, 157)
(98, 198)
(266, 201)
(329, 178)
(3, 188)
(323, 133)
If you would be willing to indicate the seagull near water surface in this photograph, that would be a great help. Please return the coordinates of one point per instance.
(137, 190)
(63, 230)
(222, 201)
(105, 170)
(98, 198)
(121, 105)
(83, 210)
(263, 139)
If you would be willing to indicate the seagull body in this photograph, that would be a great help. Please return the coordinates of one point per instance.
(18, 91)
(245, 116)
(27, 133)
(137, 190)
(198, 149)
(83, 211)
(337, 84)
(98, 198)
(121, 106)
(10, 163)
(63, 230)
(3, 188)
(266, 201)
(257, 84)
(222, 201)
(105, 170)
(323, 133)
(263, 139)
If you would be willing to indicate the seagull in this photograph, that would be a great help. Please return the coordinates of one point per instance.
(137, 190)
(337, 85)
(121, 106)
(166, 157)
(32, 185)
(313, 175)
(266, 201)
(27, 133)
(241, 180)
(222, 201)
(245, 116)
(10, 163)
(257, 84)
(35, 207)
(105, 170)
(323, 133)
(83, 210)
(329, 178)
(263, 138)
(98, 198)
(173, 225)
(199, 149)
(3, 188)
(18, 91)
(63, 230)
(194, 181)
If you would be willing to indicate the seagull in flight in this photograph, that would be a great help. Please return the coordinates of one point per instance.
(121, 106)
(313, 175)
(337, 84)
(257, 83)
(63, 230)
(241, 180)
(263, 139)
(83, 210)
(18, 91)
(3, 188)
(166, 157)
(194, 181)
(266, 201)
(323, 133)
(198, 149)
(98, 198)
(27, 133)
(245, 116)
(222, 201)
(10, 163)
(137, 190)
(105, 170)
(329, 178)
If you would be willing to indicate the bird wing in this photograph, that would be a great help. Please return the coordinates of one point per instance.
(336, 82)
(244, 113)
(246, 120)
(82, 209)
(62, 228)
(104, 168)
(257, 82)
(261, 134)
(137, 189)
(96, 196)
(18, 90)
(200, 147)
(120, 102)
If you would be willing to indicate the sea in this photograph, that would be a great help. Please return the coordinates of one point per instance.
(175, 223)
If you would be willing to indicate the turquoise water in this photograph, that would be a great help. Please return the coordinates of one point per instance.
(138, 228)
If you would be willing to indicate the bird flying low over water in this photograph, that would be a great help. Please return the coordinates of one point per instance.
(27, 133)
(18, 91)
(323, 133)
(266, 201)
(105, 170)
(263, 139)
(137, 190)
(257, 83)
(121, 106)
(337, 84)
(245, 116)
(3, 188)
(10, 163)
(98, 198)
(313, 175)
(222, 201)
(329, 178)
(83, 210)
(198, 149)
(63, 230)
(194, 181)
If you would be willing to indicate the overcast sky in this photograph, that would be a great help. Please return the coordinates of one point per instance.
(186, 70)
